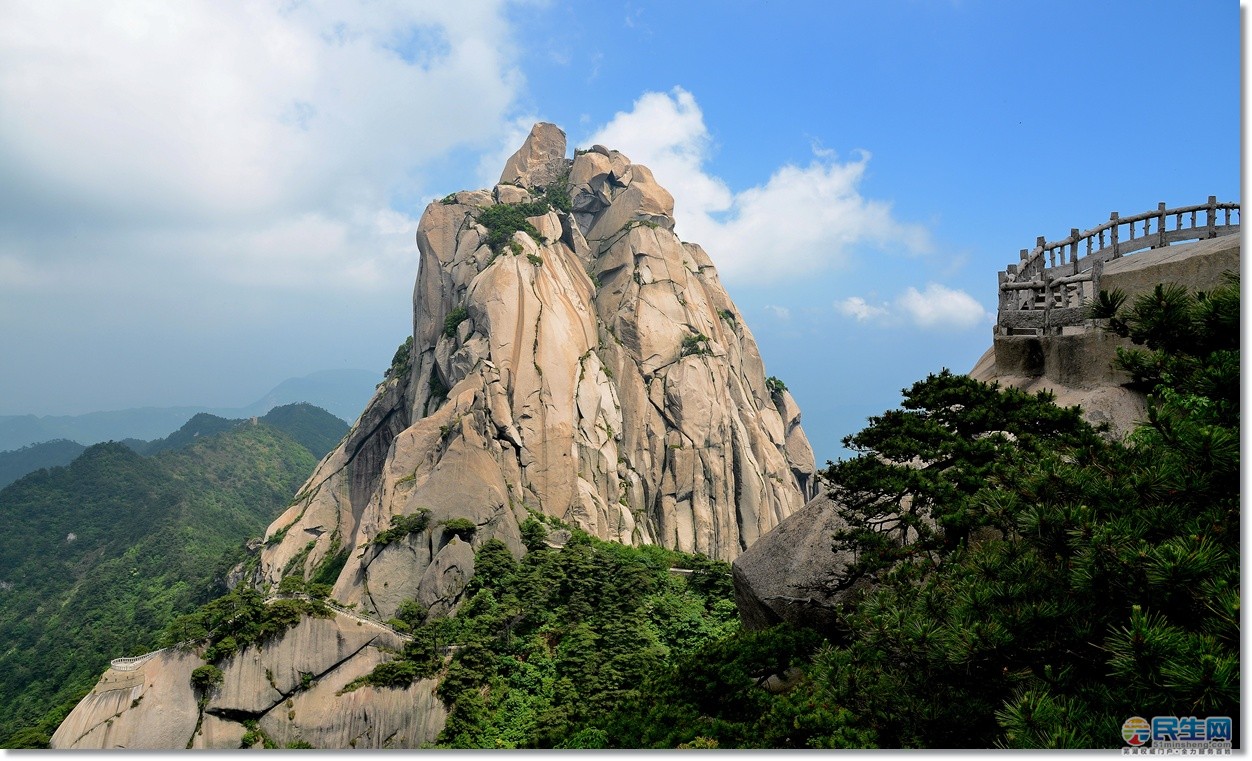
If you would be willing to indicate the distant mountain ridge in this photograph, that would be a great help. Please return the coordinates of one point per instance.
(99, 555)
(47, 454)
(343, 393)
(312, 427)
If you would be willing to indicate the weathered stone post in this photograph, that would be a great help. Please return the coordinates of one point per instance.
(1212, 231)
(1113, 219)
(1046, 276)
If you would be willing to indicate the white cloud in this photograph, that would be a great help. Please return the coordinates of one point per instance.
(938, 307)
(782, 313)
(804, 219)
(857, 307)
(265, 136)
(667, 134)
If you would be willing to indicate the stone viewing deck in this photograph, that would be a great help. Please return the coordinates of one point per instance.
(1051, 286)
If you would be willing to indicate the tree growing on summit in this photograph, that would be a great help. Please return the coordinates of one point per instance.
(504, 219)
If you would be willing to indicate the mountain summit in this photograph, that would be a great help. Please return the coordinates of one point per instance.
(571, 359)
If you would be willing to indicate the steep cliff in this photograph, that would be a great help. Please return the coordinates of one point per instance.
(570, 357)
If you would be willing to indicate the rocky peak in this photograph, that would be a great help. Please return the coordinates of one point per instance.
(571, 358)
(540, 161)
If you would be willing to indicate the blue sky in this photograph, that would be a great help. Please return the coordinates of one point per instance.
(202, 200)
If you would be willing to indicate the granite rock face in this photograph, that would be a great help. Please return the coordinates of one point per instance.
(592, 369)
(539, 162)
(1076, 369)
(586, 364)
(149, 707)
(287, 686)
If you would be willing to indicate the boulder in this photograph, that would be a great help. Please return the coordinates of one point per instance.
(540, 161)
(446, 576)
(788, 574)
(510, 194)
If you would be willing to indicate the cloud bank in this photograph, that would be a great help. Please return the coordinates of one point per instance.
(802, 220)
(935, 308)
(255, 143)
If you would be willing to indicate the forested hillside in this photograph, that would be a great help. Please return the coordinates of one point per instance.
(48, 454)
(312, 427)
(98, 556)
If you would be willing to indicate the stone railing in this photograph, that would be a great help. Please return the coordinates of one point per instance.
(1052, 285)
(131, 664)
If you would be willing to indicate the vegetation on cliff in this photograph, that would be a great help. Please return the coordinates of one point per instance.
(236, 620)
(502, 220)
(546, 647)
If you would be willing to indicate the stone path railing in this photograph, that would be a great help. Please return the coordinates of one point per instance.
(133, 664)
(1050, 288)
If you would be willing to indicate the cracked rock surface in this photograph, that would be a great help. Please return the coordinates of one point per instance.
(288, 686)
